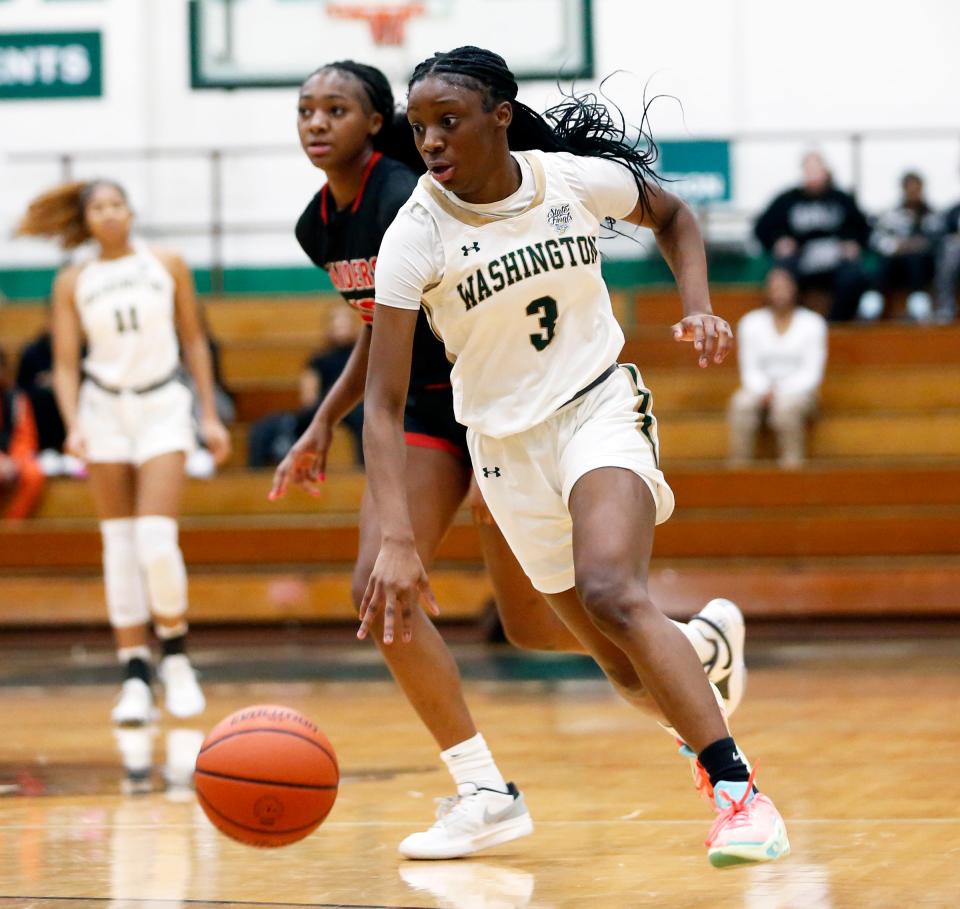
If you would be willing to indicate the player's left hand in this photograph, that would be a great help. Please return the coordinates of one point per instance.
(216, 437)
(712, 336)
(396, 584)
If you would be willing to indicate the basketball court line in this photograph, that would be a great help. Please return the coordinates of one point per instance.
(653, 822)
(187, 902)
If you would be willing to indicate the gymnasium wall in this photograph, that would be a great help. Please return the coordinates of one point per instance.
(736, 65)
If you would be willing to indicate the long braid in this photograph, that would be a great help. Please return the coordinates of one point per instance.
(395, 139)
(581, 124)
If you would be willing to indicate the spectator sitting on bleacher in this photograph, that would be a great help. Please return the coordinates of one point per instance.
(947, 276)
(903, 238)
(782, 351)
(818, 232)
(21, 479)
(271, 437)
(35, 380)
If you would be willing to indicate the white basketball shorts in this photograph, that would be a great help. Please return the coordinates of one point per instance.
(526, 479)
(129, 428)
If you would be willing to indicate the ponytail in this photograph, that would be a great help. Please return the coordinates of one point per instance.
(580, 125)
(60, 213)
(395, 139)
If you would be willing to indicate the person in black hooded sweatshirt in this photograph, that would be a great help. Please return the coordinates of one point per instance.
(818, 232)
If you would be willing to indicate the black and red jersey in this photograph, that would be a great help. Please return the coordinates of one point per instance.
(346, 242)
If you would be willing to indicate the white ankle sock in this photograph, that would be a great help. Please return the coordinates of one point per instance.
(471, 764)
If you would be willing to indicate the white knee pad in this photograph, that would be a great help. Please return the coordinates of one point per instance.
(126, 596)
(162, 564)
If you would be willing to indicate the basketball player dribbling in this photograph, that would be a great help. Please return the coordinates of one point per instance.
(348, 128)
(128, 416)
(498, 246)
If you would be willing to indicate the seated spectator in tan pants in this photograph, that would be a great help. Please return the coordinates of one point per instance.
(782, 351)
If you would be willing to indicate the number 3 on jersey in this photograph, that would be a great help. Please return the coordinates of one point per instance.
(546, 308)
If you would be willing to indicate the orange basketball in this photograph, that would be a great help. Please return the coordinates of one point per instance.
(266, 776)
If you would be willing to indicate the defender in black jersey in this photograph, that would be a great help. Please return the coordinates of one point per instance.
(349, 130)
(345, 242)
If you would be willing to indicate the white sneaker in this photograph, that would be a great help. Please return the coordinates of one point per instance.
(135, 744)
(135, 704)
(183, 746)
(469, 823)
(471, 885)
(184, 697)
(720, 623)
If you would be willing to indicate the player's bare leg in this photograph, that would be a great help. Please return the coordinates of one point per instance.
(528, 620)
(436, 484)
(531, 623)
(487, 810)
(613, 523)
(612, 544)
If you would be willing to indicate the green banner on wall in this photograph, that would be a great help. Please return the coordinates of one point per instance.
(699, 169)
(50, 65)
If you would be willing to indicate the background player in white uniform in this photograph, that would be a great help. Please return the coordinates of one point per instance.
(501, 251)
(130, 420)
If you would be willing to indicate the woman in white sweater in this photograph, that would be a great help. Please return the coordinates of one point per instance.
(782, 351)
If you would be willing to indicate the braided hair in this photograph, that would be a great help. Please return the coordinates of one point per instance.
(395, 139)
(581, 124)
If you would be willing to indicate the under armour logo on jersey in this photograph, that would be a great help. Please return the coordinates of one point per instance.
(474, 247)
(491, 471)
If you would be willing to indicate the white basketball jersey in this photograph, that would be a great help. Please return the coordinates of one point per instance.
(127, 312)
(522, 305)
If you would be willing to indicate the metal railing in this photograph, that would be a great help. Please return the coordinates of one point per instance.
(218, 228)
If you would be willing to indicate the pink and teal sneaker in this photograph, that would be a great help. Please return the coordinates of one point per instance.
(748, 827)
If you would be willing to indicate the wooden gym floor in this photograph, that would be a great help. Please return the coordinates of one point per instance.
(857, 740)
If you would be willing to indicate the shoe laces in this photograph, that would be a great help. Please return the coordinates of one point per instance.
(734, 815)
(446, 804)
(701, 780)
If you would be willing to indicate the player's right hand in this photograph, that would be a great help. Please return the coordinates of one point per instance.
(397, 584)
(306, 463)
(76, 444)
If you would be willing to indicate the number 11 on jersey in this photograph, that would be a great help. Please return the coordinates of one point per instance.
(128, 324)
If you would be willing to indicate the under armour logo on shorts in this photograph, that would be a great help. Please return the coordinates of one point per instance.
(491, 471)
(474, 247)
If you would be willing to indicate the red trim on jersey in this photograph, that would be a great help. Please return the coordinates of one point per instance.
(364, 177)
(436, 386)
(421, 440)
(371, 164)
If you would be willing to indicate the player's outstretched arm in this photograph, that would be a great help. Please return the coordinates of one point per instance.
(681, 244)
(398, 579)
(305, 465)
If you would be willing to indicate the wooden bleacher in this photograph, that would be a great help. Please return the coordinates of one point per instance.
(871, 527)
